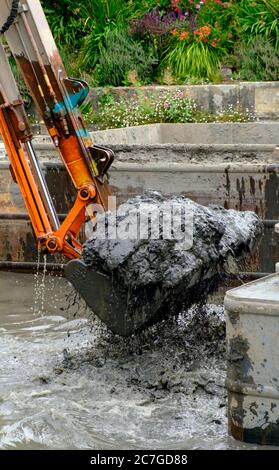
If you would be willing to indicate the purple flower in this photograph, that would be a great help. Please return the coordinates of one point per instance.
(153, 22)
(149, 23)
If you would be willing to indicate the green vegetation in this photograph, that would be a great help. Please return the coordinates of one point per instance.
(122, 60)
(195, 61)
(172, 107)
(123, 42)
(258, 19)
(257, 61)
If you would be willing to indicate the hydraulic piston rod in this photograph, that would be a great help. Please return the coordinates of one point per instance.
(43, 189)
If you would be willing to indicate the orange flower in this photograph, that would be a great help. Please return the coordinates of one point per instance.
(174, 32)
(203, 32)
(183, 35)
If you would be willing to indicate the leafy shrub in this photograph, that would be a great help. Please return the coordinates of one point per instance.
(257, 61)
(186, 44)
(120, 55)
(101, 16)
(154, 23)
(258, 18)
(192, 59)
(140, 7)
(81, 29)
(67, 21)
(82, 24)
(220, 16)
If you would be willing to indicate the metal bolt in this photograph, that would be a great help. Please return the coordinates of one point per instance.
(84, 194)
(52, 244)
(21, 126)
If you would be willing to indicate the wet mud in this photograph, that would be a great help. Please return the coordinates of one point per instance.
(153, 278)
(66, 382)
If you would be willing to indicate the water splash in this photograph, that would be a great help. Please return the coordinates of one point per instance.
(39, 286)
(35, 306)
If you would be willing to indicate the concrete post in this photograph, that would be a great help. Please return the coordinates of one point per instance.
(252, 313)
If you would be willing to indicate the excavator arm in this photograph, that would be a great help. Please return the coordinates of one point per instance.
(57, 98)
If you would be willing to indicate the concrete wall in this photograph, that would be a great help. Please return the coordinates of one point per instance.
(259, 98)
(212, 133)
(243, 177)
(243, 187)
(17, 241)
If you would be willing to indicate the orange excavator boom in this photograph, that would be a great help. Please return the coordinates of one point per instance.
(57, 98)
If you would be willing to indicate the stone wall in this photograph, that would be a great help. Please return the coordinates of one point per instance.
(259, 98)
(257, 132)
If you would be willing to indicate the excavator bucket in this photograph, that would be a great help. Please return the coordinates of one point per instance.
(111, 303)
(131, 283)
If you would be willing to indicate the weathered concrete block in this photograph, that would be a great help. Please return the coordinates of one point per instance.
(17, 242)
(258, 98)
(267, 102)
(260, 133)
(253, 361)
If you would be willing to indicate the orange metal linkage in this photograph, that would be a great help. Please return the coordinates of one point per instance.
(57, 98)
(25, 179)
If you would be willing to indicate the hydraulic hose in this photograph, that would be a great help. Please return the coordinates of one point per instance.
(11, 18)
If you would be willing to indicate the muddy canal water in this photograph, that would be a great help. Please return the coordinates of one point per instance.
(66, 383)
